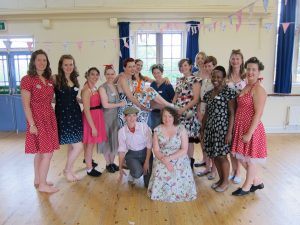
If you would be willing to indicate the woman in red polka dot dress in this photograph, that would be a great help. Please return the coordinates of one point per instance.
(249, 139)
(41, 134)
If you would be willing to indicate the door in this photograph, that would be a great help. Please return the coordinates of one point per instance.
(13, 66)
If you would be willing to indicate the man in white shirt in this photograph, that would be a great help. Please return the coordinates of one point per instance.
(135, 144)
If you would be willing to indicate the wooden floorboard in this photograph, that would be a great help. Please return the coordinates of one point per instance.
(103, 200)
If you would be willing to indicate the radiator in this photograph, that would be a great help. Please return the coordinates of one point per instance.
(293, 116)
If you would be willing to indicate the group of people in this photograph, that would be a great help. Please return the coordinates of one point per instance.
(153, 128)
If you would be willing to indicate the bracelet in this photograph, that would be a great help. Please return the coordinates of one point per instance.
(32, 125)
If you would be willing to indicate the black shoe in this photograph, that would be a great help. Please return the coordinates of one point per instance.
(199, 164)
(240, 192)
(256, 187)
(94, 173)
(116, 168)
(93, 163)
(110, 168)
(192, 163)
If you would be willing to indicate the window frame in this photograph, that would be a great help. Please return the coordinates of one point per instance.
(159, 45)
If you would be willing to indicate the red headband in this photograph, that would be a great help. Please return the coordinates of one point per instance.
(109, 66)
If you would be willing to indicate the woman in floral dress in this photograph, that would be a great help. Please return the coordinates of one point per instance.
(172, 177)
(186, 99)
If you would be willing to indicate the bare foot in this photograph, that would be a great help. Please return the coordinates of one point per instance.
(36, 184)
(69, 176)
(75, 177)
(47, 189)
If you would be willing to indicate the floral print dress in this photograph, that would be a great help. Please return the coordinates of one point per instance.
(176, 186)
(217, 122)
(184, 91)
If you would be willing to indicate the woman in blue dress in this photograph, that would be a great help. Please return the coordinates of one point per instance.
(68, 112)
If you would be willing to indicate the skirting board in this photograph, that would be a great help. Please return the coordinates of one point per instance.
(283, 130)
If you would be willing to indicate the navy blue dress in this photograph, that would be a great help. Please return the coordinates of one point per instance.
(68, 115)
(167, 92)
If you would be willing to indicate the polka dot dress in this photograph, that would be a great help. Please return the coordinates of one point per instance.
(43, 115)
(256, 148)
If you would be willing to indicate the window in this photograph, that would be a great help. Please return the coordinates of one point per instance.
(13, 63)
(165, 48)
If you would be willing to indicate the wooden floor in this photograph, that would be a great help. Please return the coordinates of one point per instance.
(103, 201)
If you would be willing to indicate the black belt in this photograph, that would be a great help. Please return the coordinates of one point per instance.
(156, 110)
(96, 107)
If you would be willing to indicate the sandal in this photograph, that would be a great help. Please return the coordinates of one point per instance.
(202, 173)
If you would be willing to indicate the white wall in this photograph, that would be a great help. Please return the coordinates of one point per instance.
(92, 23)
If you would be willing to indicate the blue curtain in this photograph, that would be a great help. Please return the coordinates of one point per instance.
(192, 46)
(285, 47)
(123, 32)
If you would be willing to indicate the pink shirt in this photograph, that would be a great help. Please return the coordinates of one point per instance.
(141, 138)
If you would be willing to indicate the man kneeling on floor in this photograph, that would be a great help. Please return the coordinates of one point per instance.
(135, 144)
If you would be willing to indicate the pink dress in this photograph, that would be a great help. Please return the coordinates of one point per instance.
(41, 96)
(255, 149)
(98, 119)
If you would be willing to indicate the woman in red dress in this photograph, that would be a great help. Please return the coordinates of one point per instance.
(249, 139)
(37, 92)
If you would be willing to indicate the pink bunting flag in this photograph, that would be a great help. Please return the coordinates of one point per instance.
(199, 26)
(239, 15)
(266, 3)
(237, 27)
(114, 40)
(215, 25)
(285, 26)
(79, 45)
(29, 45)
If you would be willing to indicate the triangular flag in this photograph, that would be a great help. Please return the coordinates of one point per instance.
(114, 40)
(239, 15)
(266, 3)
(285, 2)
(125, 42)
(79, 45)
(223, 26)
(120, 54)
(188, 27)
(29, 45)
(132, 40)
(285, 26)
(215, 25)
(230, 19)
(237, 26)
(251, 6)
(66, 46)
(104, 43)
(268, 26)
(199, 26)
(7, 44)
